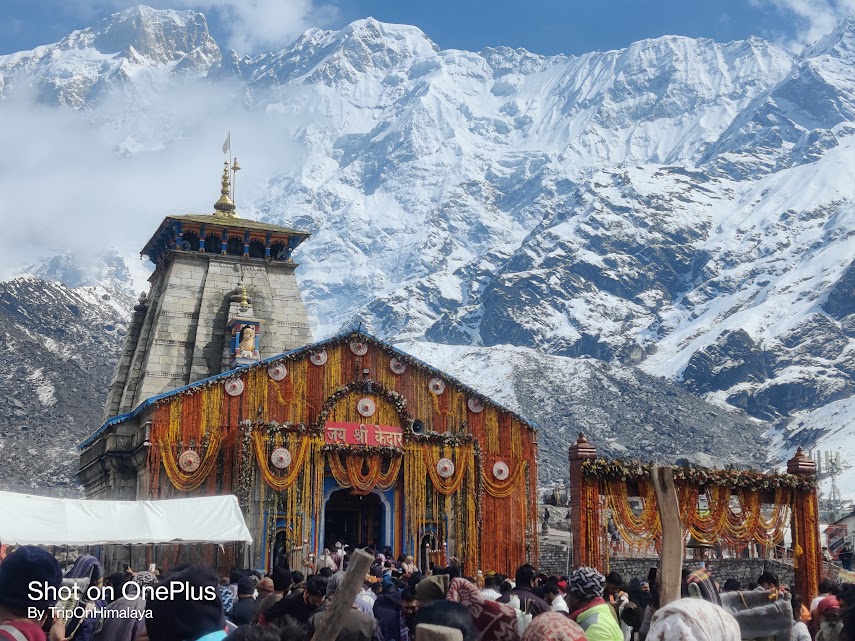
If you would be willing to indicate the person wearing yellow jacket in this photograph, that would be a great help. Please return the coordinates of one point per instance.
(588, 608)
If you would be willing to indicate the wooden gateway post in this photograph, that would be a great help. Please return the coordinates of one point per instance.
(807, 554)
(585, 508)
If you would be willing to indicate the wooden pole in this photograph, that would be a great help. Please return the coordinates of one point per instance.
(342, 602)
(585, 524)
(431, 632)
(671, 562)
(807, 555)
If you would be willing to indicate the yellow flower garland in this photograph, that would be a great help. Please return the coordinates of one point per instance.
(350, 473)
(503, 489)
(433, 453)
(298, 452)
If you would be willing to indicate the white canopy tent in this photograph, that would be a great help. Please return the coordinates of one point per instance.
(39, 520)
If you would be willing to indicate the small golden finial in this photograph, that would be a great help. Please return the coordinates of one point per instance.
(224, 207)
(244, 298)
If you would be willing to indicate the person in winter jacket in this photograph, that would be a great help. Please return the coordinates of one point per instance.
(86, 573)
(194, 615)
(588, 608)
(244, 610)
(26, 564)
(390, 616)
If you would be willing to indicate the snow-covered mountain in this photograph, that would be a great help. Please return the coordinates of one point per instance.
(137, 50)
(681, 208)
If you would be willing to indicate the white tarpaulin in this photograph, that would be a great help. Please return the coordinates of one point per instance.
(39, 520)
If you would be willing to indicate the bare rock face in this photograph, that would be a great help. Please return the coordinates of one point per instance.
(732, 359)
(841, 298)
(59, 348)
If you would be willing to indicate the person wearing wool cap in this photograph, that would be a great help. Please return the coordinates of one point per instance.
(265, 588)
(281, 582)
(432, 588)
(828, 613)
(243, 611)
(585, 589)
(182, 618)
(26, 564)
(693, 620)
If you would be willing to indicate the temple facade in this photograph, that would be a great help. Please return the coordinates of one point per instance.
(345, 440)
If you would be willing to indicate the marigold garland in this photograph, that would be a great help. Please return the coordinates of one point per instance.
(716, 524)
(169, 439)
(637, 531)
(350, 475)
(748, 479)
(705, 527)
(446, 487)
(503, 489)
(264, 445)
(293, 412)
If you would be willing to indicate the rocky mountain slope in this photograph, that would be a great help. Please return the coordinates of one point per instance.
(58, 351)
(680, 209)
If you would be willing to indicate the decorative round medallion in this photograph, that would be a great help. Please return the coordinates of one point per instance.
(500, 470)
(277, 372)
(319, 358)
(476, 405)
(366, 407)
(281, 458)
(359, 348)
(234, 387)
(189, 461)
(445, 468)
(436, 386)
(397, 366)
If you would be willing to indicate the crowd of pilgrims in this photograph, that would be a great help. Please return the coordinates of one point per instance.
(395, 599)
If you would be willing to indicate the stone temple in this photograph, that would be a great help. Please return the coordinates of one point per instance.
(220, 390)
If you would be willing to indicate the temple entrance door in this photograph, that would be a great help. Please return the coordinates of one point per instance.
(428, 543)
(354, 520)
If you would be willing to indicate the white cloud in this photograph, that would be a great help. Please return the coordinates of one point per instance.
(91, 180)
(265, 24)
(815, 17)
(250, 25)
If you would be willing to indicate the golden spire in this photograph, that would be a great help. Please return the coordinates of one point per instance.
(224, 207)
(244, 298)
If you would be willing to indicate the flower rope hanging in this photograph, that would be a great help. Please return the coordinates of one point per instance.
(706, 527)
(638, 531)
(771, 531)
(195, 416)
(503, 488)
(450, 485)
(349, 474)
(265, 441)
(184, 481)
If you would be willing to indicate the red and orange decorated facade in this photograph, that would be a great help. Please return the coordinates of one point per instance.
(353, 434)
(730, 510)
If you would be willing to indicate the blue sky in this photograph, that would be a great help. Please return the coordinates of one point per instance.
(542, 26)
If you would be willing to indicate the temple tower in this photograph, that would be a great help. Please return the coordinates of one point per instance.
(221, 286)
